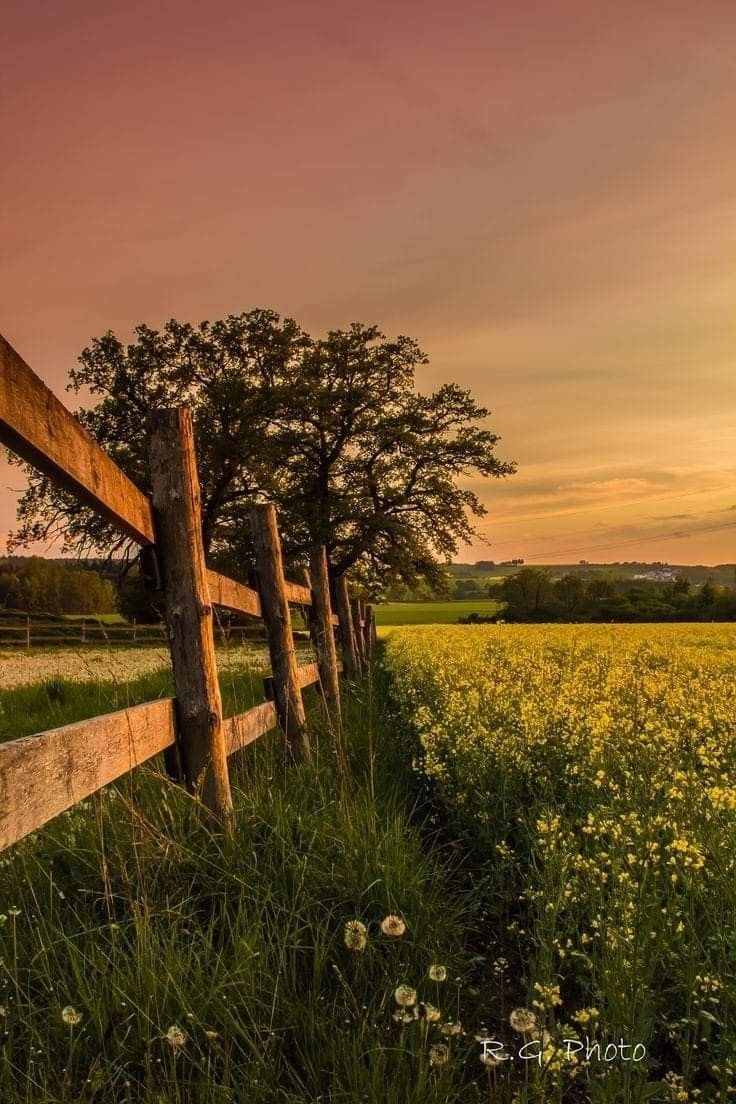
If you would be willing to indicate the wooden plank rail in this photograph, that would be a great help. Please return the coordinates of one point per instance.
(37, 426)
(234, 596)
(42, 776)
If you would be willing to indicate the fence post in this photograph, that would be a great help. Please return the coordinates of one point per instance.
(277, 619)
(177, 515)
(350, 664)
(321, 625)
(368, 631)
(356, 607)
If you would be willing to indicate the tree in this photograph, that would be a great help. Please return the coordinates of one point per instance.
(332, 430)
(225, 371)
(570, 592)
(527, 593)
(375, 467)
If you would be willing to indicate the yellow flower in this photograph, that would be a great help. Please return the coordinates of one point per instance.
(405, 996)
(437, 972)
(70, 1016)
(431, 1013)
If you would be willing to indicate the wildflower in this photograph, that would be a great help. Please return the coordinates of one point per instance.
(437, 972)
(451, 1028)
(14, 911)
(405, 996)
(70, 1015)
(523, 1020)
(212, 1034)
(175, 1037)
(404, 1017)
(393, 926)
(356, 935)
(549, 996)
(431, 1013)
(439, 1054)
(586, 1016)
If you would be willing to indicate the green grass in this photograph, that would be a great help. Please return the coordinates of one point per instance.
(433, 613)
(130, 911)
(25, 710)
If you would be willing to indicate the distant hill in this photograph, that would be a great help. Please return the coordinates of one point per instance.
(486, 570)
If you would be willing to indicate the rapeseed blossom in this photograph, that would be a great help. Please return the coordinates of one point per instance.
(596, 765)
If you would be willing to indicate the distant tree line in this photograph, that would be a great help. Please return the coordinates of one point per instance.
(532, 594)
(36, 585)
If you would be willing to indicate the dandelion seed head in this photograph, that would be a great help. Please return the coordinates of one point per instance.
(523, 1020)
(393, 926)
(405, 996)
(439, 1054)
(356, 935)
(176, 1037)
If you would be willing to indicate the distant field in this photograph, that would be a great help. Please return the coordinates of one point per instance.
(433, 613)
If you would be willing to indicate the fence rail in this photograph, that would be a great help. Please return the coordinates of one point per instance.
(43, 775)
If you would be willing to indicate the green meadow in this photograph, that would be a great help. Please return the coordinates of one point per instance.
(433, 613)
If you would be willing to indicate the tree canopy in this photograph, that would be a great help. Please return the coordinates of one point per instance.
(332, 429)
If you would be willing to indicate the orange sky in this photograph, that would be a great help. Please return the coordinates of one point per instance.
(544, 194)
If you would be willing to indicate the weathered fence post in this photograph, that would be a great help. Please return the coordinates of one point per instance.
(368, 631)
(320, 619)
(356, 607)
(277, 619)
(178, 524)
(350, 662)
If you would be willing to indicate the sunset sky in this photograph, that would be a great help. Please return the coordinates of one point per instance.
(543, 194)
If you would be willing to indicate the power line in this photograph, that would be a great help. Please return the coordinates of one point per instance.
(677, 534)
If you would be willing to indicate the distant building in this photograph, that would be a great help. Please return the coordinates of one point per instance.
(659, 575)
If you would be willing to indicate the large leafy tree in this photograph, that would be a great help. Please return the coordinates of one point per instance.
(375, 469)
(226, 372)
(333, 430)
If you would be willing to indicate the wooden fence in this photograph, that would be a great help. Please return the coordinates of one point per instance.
(42, 775)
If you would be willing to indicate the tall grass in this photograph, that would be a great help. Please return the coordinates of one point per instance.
(146, 959)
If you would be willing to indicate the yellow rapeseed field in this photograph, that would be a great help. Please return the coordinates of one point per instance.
(593, 770)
